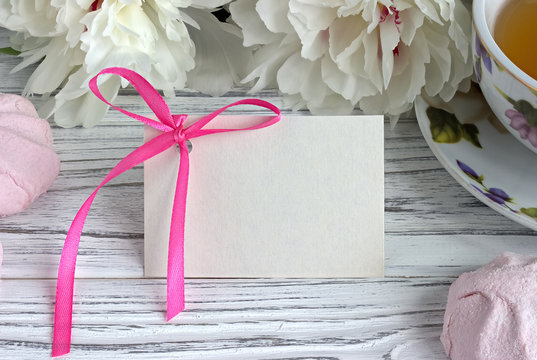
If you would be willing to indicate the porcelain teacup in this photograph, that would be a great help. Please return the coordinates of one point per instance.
(510, 92)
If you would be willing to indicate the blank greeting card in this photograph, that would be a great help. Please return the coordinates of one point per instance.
(302, 198)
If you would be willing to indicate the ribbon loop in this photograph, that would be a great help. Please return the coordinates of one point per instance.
(146, 91)
(172, 133)
(196, 129)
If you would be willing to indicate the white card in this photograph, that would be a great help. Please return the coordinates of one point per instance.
(302, 198)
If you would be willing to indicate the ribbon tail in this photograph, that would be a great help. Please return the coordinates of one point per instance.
(61, 343)
(175, 289)
(63, 312)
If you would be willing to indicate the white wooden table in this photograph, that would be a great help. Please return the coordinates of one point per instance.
(435, 230)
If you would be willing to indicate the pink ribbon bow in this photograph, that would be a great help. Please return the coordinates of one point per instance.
(173, 133)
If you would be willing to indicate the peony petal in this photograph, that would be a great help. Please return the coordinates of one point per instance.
(409, 84)
(53, 69)
(460, 70)
(403, 60)
(220, 57)
(314, 43)
(446, 8)
(429, 10)
(86, 110)
(332, 104)
(36, 18)
(315, 16)
(411, 20)
(350, 87)
(389, 38)
(346, 37)
(274, 15)
(31, 56)
(460, 28)
(294, 102)
(255, 32)
(269, 59)
(372, 66)
(206, 4)
(291, 81)
(439, 68)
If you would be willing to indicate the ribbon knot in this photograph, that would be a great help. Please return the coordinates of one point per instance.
(179, 135)
(173, 132)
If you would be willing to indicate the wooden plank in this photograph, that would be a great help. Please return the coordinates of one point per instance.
(232, 319)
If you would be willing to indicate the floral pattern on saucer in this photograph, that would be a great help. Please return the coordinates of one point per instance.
(495, 194)
(482, 151)
(447, 129)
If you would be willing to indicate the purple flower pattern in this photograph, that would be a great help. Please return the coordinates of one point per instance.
(468, 171)
(523, 117)
(495, 194)
(520, 124)
(482, 54)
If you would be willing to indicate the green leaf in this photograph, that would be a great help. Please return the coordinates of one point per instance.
(9, 51)
(498, 66)
(507, 97)
(526, 109)
(470, 132)
(480, 64)
(445, 128)
(532, 212)
(532, 118)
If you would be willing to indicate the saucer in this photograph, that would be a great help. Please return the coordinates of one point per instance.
(470, 142)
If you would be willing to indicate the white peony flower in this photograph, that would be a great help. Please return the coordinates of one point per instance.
(170, 42)
(333, 55)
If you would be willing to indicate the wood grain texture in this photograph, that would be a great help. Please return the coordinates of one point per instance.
(435, 230)
(232, 319)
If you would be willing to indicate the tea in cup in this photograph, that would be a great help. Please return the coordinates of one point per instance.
(515, 33)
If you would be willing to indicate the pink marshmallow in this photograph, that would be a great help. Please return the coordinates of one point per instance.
(28, 163)
(17, 104)
(491, 313)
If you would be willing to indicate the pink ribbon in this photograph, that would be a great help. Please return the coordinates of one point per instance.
(173, 133)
